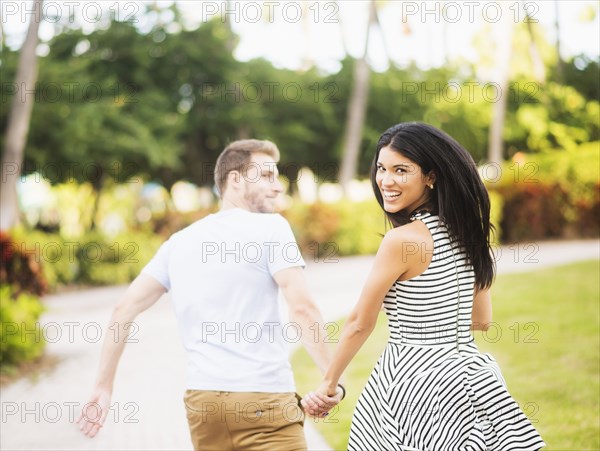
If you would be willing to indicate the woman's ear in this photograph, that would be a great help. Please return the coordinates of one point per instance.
(431, 178)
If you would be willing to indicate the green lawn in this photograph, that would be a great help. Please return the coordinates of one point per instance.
(546, 340)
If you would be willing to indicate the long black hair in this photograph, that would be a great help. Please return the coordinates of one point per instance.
(459, 196)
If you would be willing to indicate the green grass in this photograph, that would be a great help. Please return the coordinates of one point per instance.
(546, 340)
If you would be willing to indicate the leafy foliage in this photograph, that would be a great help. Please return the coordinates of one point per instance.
(20, 267)
(550, 194)
(91, 259)
(161, 101)
(22, 338)
(21, 282)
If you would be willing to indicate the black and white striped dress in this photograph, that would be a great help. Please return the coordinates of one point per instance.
(431, 388)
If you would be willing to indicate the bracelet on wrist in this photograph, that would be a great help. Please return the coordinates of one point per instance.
(343, 390)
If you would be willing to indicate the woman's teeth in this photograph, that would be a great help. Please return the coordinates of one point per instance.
(390, 194)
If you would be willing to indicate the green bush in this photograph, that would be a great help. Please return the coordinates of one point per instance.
(56, 255)
(549, 194)
(588, 213)
(351, 228)
(116, 260)
(21, 282)
(342, 228)
(362, 225)
(496, 209)
(92, 259)
(533, 211)
(21, 338)
(314, 226)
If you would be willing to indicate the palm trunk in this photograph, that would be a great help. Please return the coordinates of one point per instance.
(560, 66)
(496, 142)
(338, 20)
(356, 111)
(18, 124)
(307, 58)
(539, 71)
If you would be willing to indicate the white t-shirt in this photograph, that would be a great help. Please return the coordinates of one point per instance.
(219, 272)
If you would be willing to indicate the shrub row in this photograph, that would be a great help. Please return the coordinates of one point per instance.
(19, 315)
(554, 194)
(351, 228)
(21, 284)
(540, 211)
(344, 228)
(92, 259)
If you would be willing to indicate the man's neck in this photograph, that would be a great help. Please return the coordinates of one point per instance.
(228, 204)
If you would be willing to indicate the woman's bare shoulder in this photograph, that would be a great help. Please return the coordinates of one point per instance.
(413, 233)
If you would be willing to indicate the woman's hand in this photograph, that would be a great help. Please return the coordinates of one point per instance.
(318, 403)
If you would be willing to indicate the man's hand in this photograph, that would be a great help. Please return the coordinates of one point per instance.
(94, 413)
(319, 402)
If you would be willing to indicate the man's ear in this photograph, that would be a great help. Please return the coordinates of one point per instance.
(234, 179)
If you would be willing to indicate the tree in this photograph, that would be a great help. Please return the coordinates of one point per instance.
(18, 124)
(560, 66)
(356, 109)
(539, 70)
(504, 40)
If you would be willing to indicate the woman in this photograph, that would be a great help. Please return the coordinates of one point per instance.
(431, 388)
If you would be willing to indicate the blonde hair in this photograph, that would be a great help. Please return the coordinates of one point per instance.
(237, 155)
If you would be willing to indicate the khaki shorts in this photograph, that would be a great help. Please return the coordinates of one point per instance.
(226, 421)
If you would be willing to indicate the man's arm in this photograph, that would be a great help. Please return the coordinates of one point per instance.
(143, 292)
(304, 312)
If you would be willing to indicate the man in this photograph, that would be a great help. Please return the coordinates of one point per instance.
(224, 273)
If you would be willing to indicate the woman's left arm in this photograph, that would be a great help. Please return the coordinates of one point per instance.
(481, 316)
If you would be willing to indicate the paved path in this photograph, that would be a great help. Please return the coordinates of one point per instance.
(147, 410)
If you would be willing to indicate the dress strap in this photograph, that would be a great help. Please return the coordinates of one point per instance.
(420, 214)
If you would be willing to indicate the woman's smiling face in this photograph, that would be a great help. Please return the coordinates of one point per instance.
(401, 182)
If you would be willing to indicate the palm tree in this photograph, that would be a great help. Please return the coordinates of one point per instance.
(307, 58)
(539, 70)
(561, 65)
(18, 124)
(356, 109)
(505, 35)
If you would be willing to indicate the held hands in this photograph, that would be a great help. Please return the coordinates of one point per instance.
(94, 413)
(322, 400)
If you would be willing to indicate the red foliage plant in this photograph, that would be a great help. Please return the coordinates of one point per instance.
(22, 270)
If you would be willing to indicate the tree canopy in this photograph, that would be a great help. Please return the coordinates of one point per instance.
(118, 102)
